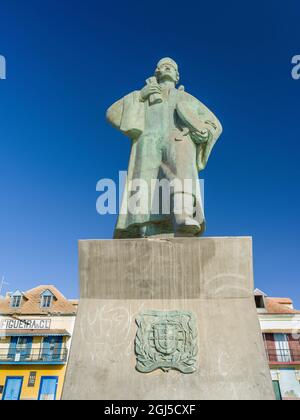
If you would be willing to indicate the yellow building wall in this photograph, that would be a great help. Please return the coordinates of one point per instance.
(32, 393)
(57, 322)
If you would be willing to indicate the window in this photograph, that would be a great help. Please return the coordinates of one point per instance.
(282, 348)
(20, 348)
(46, 299)
(16, 300)
(48, 388)
(52, 348)
(13, 387)
(259, 302)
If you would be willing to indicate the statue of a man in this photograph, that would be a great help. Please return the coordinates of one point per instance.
(172, 137)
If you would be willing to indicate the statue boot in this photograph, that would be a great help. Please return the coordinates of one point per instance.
(185, 223)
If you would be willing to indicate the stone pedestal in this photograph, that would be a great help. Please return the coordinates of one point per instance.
(210, 277)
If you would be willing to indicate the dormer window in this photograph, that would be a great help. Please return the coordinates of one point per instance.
(16, 299)
(260, 302)
(16, 302)
(46, 299)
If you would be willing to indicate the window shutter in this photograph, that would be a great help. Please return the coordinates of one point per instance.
(270, 347)
(12, 347)
(294, 344)
(28, 346)
(46, 347)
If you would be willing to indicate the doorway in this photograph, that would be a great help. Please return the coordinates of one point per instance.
(12, 389)
(48, 388)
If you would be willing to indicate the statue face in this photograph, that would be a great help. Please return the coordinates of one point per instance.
(166, 71)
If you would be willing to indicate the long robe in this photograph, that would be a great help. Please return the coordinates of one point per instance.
(161, 149)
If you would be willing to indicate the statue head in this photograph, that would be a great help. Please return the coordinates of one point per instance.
(167, 69)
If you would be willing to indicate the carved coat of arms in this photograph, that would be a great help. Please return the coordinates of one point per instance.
(166, 340)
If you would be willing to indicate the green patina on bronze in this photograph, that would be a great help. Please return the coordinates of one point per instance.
(172, 135)
(166, 340)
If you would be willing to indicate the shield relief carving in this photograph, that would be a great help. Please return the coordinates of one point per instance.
(166, 340)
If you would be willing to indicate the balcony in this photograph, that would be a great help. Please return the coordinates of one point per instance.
(35, 356)
(283, 356)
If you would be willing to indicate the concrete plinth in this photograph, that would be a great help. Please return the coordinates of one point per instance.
(211, 277)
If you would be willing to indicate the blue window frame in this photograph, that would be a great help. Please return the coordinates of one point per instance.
(52, 347)
(13, 388)
(48, 388)
(20, 348)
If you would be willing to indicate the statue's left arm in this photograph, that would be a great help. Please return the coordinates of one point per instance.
(204, 127)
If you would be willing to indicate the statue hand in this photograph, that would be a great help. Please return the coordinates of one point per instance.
(201, 136)
(204, 133)
(149, 90)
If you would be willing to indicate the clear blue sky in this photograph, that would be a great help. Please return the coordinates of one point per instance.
(67, 61)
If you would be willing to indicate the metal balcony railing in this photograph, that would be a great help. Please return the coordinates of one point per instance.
(34, 356)
(283, 355)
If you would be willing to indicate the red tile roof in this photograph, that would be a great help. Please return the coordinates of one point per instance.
(32, 300)
(279, 306)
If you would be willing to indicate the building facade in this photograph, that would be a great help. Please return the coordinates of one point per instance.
(36, 328)
(280, 324)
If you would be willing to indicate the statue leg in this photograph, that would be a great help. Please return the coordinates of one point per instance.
(186, 219)
(147, 169)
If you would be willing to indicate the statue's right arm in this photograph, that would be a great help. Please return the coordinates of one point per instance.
(114, 114)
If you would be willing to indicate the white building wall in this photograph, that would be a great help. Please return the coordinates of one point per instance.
(280, 322)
